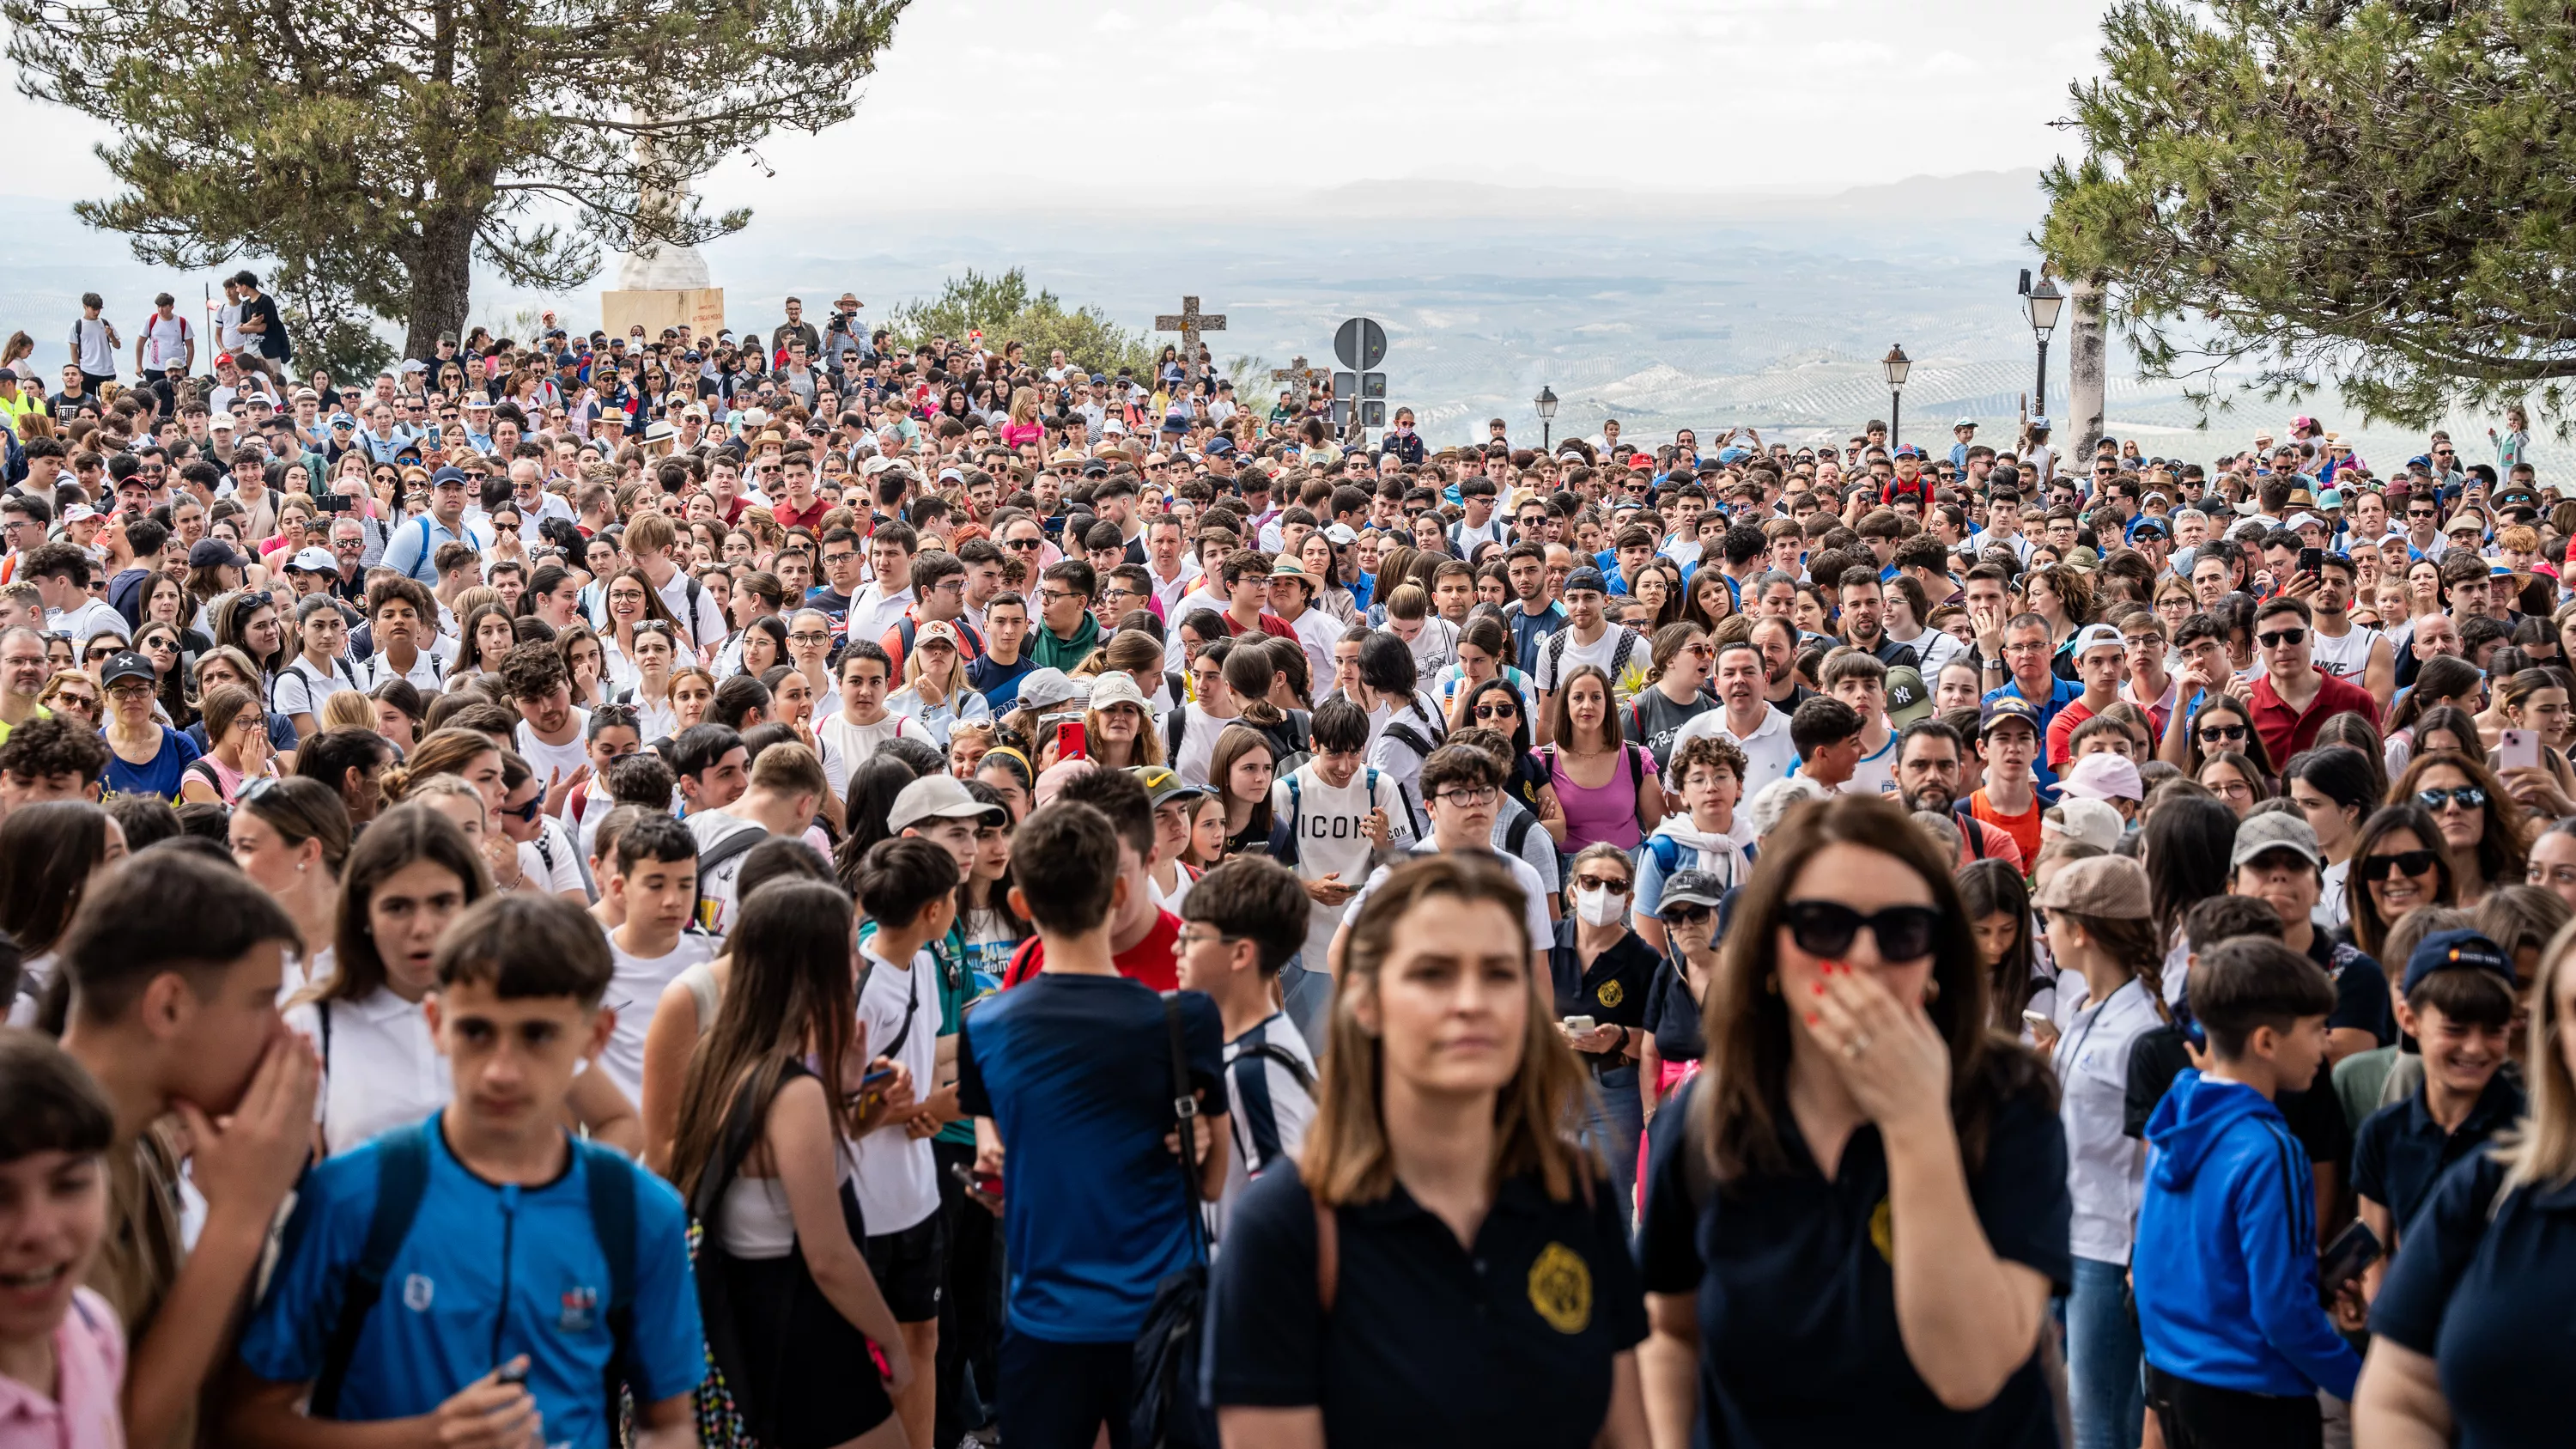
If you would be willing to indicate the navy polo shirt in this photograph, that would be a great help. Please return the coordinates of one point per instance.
(1797, 1287)
(1430, 1341)
(2483, 1291)
(2399, 1151)
(1614, 991)
(1531, 630)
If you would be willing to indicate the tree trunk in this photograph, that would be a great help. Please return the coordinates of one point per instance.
(442, 277)
(2087, 368)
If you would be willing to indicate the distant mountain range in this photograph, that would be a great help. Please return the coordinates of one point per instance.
(1663, 310)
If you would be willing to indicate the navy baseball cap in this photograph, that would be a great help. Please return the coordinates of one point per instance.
(1586, 578)
(2003, 708)
(2445, 950)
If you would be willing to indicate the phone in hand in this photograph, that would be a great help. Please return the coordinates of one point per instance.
(2517, 749)
(1069, 740)
(1578, 1024)
(2311, 560)
(514, 1372)
(986, 1186)
(2346, 1258)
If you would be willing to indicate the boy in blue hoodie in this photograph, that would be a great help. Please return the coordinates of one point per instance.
(2226, 1260)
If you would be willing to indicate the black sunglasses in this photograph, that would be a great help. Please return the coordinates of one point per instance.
(2467, 797)
(1683, 915)
(2405, 862)
(1826, 928)
(2211, 734)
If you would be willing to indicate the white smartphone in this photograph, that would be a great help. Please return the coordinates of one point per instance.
(2517, 749)
(1578, 1023)
(2039, 1021)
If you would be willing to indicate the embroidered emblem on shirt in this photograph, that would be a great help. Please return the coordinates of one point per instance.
(578, 1305)
(1560, 1288)
(416, 1293)
(1611, 993)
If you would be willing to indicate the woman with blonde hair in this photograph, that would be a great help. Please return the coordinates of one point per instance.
(2468, 1332)
(935, 691)
(1438, 1129)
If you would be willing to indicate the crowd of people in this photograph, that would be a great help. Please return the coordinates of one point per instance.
(810, 889)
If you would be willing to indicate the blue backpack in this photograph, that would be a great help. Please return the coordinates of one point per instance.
(1283, 836)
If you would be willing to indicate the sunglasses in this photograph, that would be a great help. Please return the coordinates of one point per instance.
(1826, 928)
(2467, 797)
(2279, 637)
(1497, 711)
(2405, 862)
(2212, 734)
(1684, 915)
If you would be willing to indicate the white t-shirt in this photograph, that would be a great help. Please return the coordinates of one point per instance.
(300, 688)
(92, 618)
(1331, 830)
(1199, 731)
(552, 860)
(704, 622)
(1553, 664)
(634, 990)
(556, 761)
(856, 742)
(1542, 932)
(381, 1070)
(896, 1178)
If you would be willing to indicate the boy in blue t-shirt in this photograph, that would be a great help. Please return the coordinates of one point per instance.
(534, 1274)
(1069, 1078)
(2225, 1265)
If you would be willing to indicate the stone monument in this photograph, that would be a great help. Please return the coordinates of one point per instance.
(661, 285)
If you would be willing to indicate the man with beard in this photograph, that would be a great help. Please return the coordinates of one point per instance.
(1777, 638)
(1929, 756)
(1864, 608)
(2342, 648)
(1748, 721)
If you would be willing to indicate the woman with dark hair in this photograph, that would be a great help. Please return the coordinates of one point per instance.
(1239, 772)
(1500, 706)
(791, 1308)
(1997, 900)
(2399, 865)
(291, 838)
(2234, 779)
(1854, 1084)
(49, 853)
(1676, 690)
(1437, 1131)
(254, 624)
(873, 786)
(2222, 724)
(2446, 680)
(2332, 786)
(2185, 846)
(2486, 832)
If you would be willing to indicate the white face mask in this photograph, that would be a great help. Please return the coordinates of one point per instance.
(1599, 907)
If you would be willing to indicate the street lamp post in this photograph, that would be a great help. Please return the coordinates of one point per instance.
(2044, 302)
(1545, 402)
(1897, 365)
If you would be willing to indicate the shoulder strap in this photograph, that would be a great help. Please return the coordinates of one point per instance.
(402, 1177)
(1328, 1252)
(1636, 770)
(1626, 646)
(1175, 725)
(1517, 832)
(1272, 1051)
(612, 1221)
(1667, 853)
(1185, 1108)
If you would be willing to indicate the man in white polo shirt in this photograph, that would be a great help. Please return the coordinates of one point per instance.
(1748, 719)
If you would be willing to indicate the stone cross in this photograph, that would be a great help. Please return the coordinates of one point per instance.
(1300, 378)
(1190, 322)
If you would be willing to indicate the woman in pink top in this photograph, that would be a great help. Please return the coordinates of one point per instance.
(1023, 428)
(1606, 785)
(62, 1352)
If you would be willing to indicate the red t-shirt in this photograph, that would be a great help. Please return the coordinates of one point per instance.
(1270, 624)
(787, 516)
(2060, 729)
(1153, 961)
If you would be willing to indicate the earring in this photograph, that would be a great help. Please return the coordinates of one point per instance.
(1771, 983)
(1931, 991)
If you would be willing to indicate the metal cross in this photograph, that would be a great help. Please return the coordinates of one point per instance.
(1190, 322)
(1300, 378)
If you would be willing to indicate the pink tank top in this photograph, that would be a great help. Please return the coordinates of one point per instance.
(1608, 812)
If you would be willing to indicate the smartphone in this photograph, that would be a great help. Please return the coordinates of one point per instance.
(2517, 749)
(2311, 560)
(1578, 1023)
(337, 502)
(2038, 1021)
(987, 1185)
(876, 1079)
(1069, 740)
(513, 1372)
(2346, 1258)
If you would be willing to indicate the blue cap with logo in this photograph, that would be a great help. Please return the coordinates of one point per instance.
(2003, 709)
(2447, 950)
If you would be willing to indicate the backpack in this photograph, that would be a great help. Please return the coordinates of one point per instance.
(1555, 652)
(402, 1178)
(905, 628)
(1283, 848)
(1968, 831)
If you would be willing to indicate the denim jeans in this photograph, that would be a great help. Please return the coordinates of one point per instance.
(1612, 1126)
(2103, 1358)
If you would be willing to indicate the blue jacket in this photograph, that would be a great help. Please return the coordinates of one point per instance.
(2226, 1256)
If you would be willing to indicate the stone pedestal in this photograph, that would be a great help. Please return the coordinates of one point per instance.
(700, 309)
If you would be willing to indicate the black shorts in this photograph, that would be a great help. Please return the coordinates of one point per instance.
(911, 1266)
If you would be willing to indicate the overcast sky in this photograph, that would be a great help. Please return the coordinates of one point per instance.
(1197, 100)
